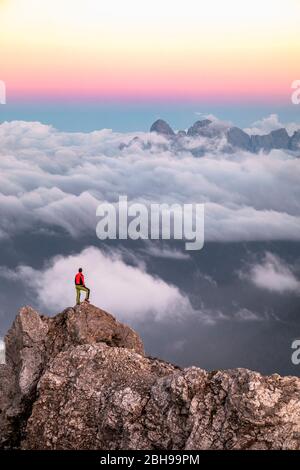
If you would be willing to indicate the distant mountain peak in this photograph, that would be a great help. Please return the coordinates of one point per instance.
(295, 141)
(198, 126)
(237, 138)
(162, 127)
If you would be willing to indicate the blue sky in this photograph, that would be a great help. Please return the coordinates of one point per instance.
(127, 117)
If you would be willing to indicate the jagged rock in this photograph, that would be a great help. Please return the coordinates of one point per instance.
(93, 395)
(198, 128)
(124, 401)
(162, 127)
(295, 141)
(261, 142)
(278, 139)
(7, 387)
(136, 141)
(238, 138)
(92, 388)
(25, 348)
(34, 339)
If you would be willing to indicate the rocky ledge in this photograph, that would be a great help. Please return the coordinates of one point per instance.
(80, 380)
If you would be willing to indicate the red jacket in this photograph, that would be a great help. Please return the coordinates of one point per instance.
(79, 279)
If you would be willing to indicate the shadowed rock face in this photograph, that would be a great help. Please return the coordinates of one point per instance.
(238, 138)
(7, 411)
(80, 380)
(162, 127)
(278, 139)
(198, 128)
(295, 141)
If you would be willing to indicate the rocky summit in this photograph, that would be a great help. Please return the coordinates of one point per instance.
(81, 380)
(162, 127)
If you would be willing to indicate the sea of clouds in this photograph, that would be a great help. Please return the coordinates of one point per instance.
(52, 180)
(58, 179)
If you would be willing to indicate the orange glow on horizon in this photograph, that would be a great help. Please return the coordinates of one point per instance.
(84, 49)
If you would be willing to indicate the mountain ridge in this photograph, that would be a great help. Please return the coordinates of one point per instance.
(81, 380)
(236, 137)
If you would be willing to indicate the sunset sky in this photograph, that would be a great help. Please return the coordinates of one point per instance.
(165, 50)
(85, 81)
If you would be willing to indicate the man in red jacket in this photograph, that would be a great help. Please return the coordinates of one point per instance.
(80, 286)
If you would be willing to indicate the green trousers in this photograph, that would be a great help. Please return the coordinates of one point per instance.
(78, 290)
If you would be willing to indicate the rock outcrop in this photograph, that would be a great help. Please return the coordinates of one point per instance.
(80, 380)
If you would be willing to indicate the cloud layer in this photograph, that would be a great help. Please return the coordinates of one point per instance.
(120, 283)
(56, 180)
(269, 124)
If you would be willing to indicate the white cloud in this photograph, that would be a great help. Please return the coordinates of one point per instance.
(244, 314)
(2, 351)
(164, 252)
(126, 291)
(215, 120)
(56, 179)
(273, 274)
(271, 123)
